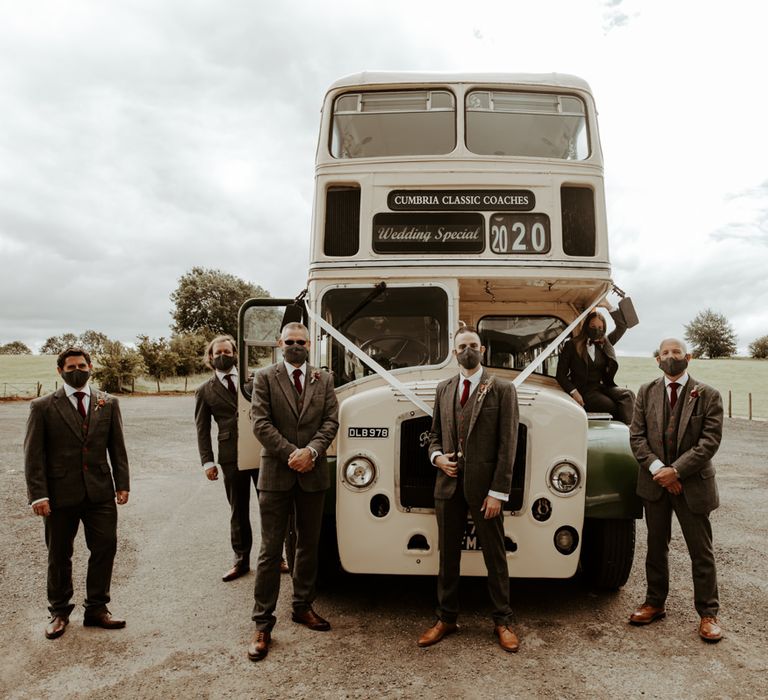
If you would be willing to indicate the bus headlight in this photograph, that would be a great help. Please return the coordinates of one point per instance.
(359, 472)
(564, 478)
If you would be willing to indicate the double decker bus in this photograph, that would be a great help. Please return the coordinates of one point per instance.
(440, 199)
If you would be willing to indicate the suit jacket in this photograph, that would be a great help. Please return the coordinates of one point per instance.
(214, 400)
(573, 363)
(64, 463)
(489, 453)
(281, 426)
(698, 438)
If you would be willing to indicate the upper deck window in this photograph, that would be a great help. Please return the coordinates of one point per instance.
(409, 122)
(535, 124)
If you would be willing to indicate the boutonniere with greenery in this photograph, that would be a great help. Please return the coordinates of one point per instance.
(483, 389)
(101, 399)
(695, 393)
(315, 376)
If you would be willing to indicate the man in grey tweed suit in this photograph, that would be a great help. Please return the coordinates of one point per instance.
(675, 432)
(216, 400)
(472, 444)
(294, 414)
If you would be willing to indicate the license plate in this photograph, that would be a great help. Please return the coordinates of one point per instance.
(470, 541)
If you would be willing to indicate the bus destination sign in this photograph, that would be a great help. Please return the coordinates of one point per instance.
(438, 234)
(461, 200)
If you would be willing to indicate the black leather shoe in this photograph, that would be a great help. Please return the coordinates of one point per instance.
(236, 571)
(56, 627)
(312, 620)
(104, 620)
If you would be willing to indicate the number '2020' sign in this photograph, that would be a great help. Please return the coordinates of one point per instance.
(519, 234)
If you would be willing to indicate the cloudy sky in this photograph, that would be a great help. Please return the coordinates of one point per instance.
(142, 137)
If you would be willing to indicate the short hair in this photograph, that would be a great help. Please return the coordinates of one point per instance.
(218, 339)
(72, 351)
(464, 328)
(677, 341)
(294, 326)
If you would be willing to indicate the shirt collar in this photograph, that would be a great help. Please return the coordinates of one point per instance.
(70, 391)
(291, 369)
(681, 381)
(232, 373)
(474, 379)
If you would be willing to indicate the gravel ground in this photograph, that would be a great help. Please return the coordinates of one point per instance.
(187, 631)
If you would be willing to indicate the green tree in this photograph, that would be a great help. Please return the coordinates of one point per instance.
(15, 347)
(208, 301)
(758, 348)
(159, 360)
(189, 347)
(58, 343)
(92, 341)
(710, 335)
(117, 366)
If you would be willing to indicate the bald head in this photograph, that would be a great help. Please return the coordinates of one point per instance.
(673, 342)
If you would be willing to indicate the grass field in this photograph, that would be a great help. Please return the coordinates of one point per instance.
(19, 375)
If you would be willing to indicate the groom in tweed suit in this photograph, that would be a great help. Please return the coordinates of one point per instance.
(472, 444)
(294, 414)
(675, 432)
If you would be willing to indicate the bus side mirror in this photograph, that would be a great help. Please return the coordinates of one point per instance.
(294, 313)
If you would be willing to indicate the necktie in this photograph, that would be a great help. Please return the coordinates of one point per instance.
(673, 394)
(230, 384)
(297, 379)
(465, 393)
(80, 395)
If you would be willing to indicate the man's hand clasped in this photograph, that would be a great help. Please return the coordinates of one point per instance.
(446, 463)
(300, 460)
(667, 477)
(212, 473)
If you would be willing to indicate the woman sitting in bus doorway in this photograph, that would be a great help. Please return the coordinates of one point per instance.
(587, 367)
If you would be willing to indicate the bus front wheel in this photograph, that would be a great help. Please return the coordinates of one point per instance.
(607, 551)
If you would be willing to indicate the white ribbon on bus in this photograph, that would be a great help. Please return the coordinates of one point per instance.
(395, 383)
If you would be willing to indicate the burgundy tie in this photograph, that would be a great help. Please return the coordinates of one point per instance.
(230, 384)
(673, 394)
(297, 379)
(80, 404)
(465, 393)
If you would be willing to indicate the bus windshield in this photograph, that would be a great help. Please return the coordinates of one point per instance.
(539, 125)
(409, 122)
(512, 342)
(396, 326)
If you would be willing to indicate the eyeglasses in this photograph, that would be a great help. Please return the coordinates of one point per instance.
(291, 342)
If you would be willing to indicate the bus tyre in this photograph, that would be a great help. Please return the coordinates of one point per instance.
(607, 551)
(329, 565)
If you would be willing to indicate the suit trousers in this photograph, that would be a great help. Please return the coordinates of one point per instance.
(276, 508)
(619, 402)
(697, 532)
(237, 484)
(451, 522)
(100, 528)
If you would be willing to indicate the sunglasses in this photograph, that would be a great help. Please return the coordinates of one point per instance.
(291, 342)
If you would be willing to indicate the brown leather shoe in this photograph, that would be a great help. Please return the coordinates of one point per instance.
(56, 627)
(508, 640)
(236, 571)
(104, 620)
(435, 633)
(259, 646)
(284, 568)
(646, 614)
(709, 630)
(312, 620)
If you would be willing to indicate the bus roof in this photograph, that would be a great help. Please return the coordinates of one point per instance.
(559, 80)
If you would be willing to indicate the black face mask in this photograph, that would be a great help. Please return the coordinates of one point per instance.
(76, 378)
(673, 367)
(224, 363)
(295, 354)
(469, 358)
(595, 333)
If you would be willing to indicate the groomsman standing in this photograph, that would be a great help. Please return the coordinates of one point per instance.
(675, 432)
(76, 469)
